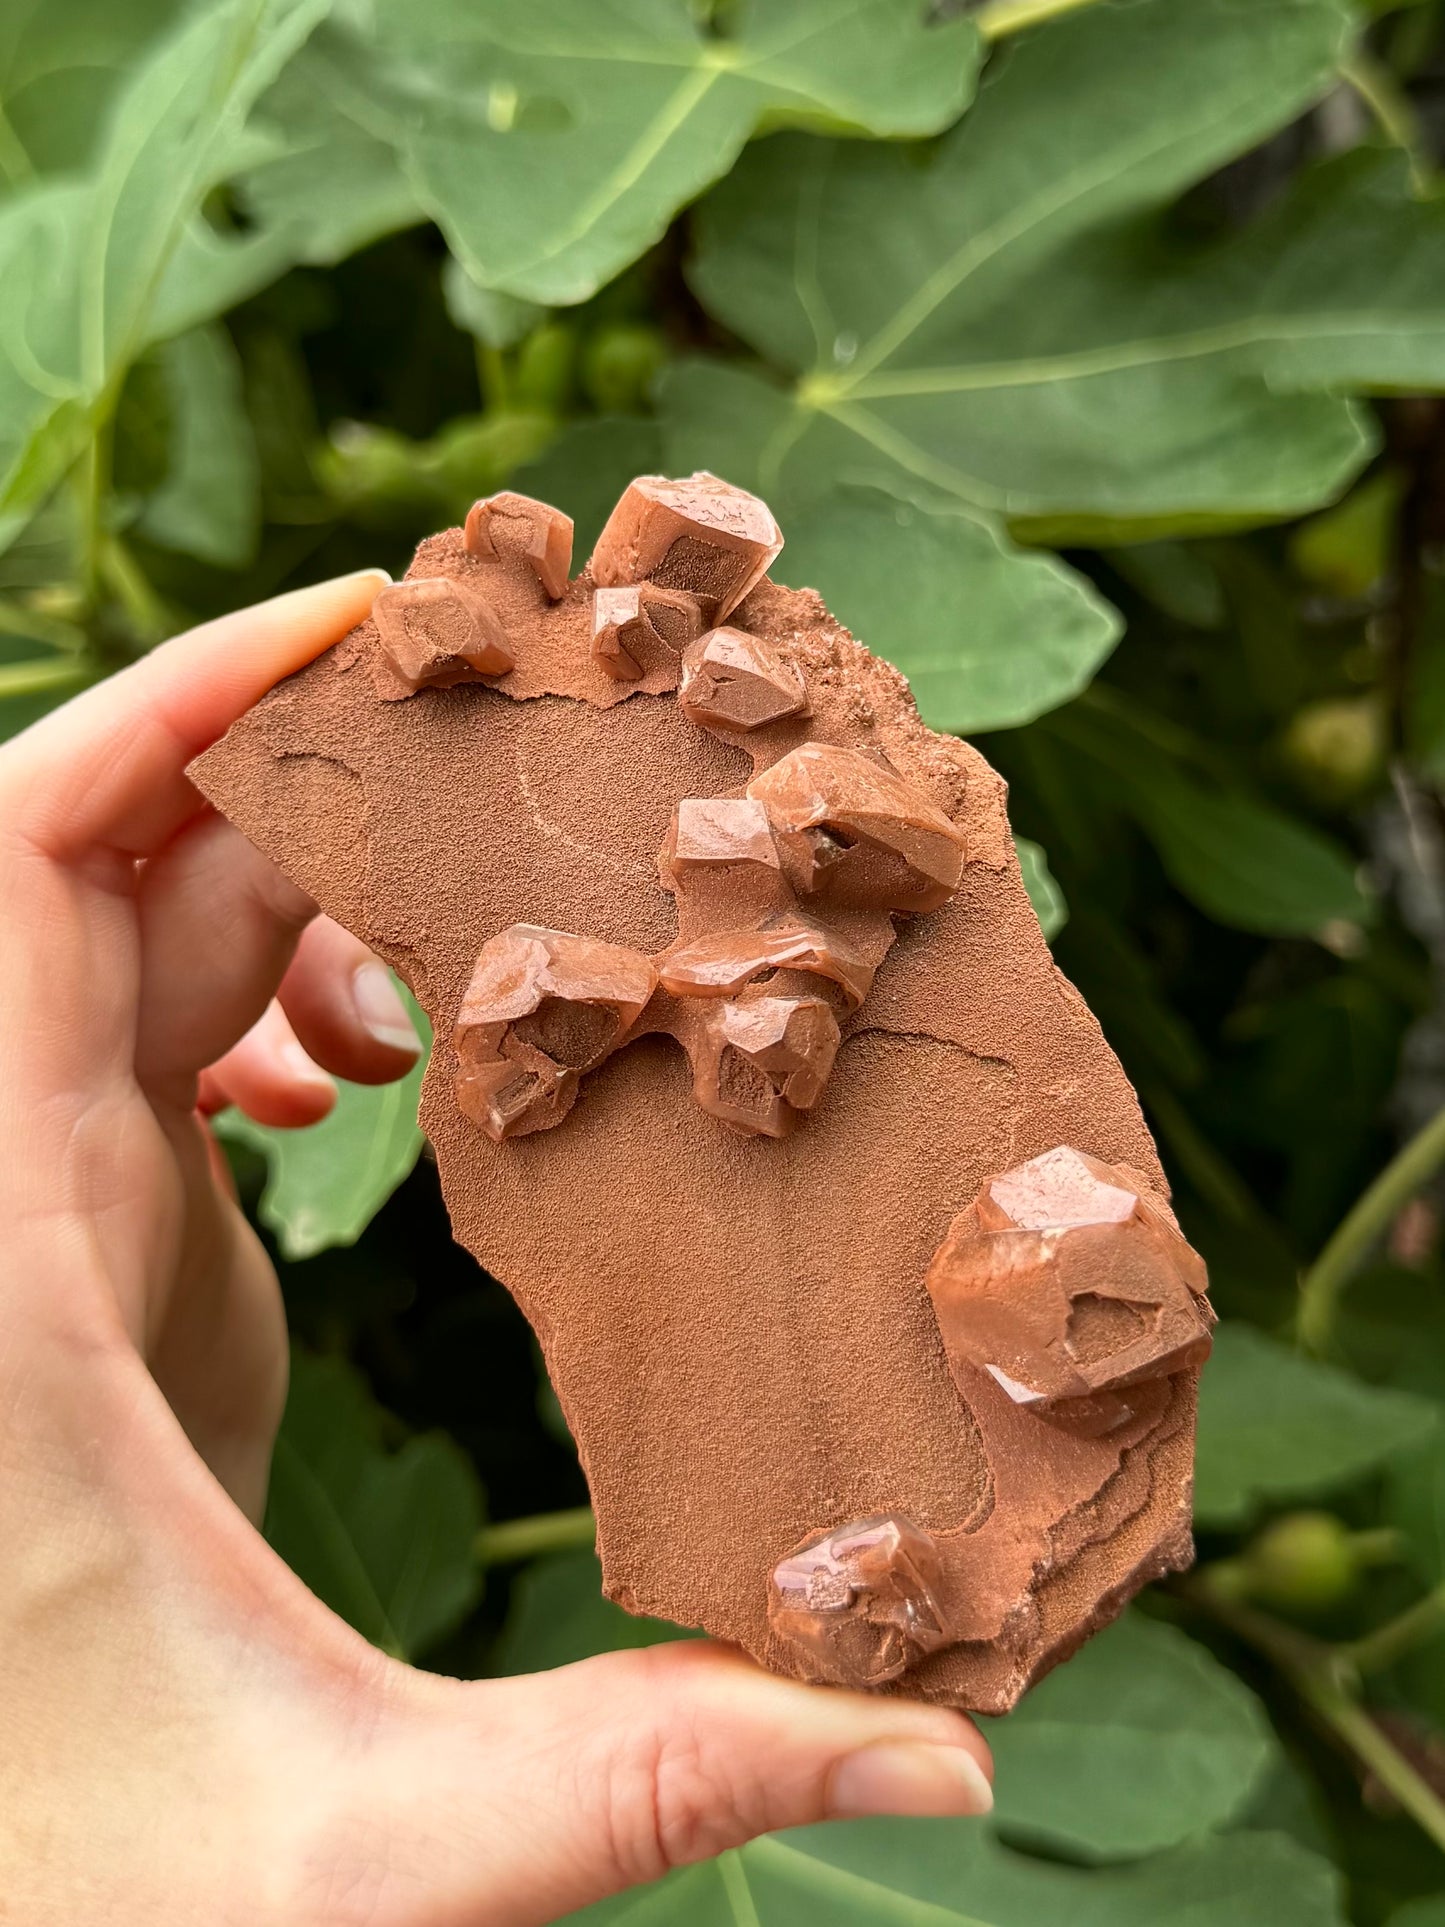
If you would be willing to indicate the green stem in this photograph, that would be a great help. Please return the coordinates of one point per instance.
(93, 479)
(1371, 1745)
(124, 575)
(492, 376)
(1391, 107)
(1212, 1176)
(517, 1539)
(90, 482)
(1399, 1635)
(1159, 731)
(36, 626)
(1002, 17)
(30, 678)
(1324, 1282)
(15, 163)
(1378, 1546)
(1318, 1674)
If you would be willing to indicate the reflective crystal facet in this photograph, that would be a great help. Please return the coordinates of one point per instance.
(763, 1060)
(849, 826)
(542, 1008)
(860, 1604)
(433, 632)
(735, 681)
(712, 831)
(511, 524)
(721, 964)
(697, 534)
(1066, 1281)
(637, 627)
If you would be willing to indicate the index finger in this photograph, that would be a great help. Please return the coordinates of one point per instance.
(108, 769)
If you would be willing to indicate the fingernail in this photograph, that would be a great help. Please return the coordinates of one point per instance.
(383, 576)
(908, 1776)
(381, 1010)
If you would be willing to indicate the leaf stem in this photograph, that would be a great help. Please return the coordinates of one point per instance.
(30, 678)
(1399, 1635)
(1373, 1747)
(518, 1539)
(1323, 1283)
(36, 626)
(492, 377)
(15, 163)
(123, 574)
(92, 481)
(1212, 1176)
(1002, 17)
(1378, 1546)
(1391, 107)
(1320, 1675)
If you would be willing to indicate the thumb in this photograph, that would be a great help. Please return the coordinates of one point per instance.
(512, 1802)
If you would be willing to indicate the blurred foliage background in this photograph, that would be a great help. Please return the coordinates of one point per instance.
(1089, 355)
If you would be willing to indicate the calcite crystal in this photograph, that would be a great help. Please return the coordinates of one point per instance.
(1065, 1279)
(860, 1604)
(755, 1083)
(713, 831)
(849, 826)
(542, 1007)
(759, 1062)
(720, 965)
(699, 535)
(639, 627)
(734, 681)
(509, 525)
(433, 633)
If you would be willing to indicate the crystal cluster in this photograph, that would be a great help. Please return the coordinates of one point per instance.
(771, 885)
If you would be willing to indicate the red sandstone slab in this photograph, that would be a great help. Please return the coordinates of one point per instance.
(722, 1210)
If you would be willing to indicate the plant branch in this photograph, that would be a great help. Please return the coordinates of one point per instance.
(91, 479)
(518, 1539)
(1319, 1675)
(1373, 1747)
(1324, 1282)
(1378, 1546)
(999, 18)
(1212, 1176)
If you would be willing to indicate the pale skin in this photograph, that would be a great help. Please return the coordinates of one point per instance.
(186, 1734)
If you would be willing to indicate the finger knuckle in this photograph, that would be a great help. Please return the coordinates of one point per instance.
(673, 1797)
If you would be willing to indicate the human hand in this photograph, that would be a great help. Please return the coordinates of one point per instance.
(189, 1735)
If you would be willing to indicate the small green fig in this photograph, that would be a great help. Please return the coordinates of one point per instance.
(1302, 1562)
(546, 363)
(619, 365)
(1336, 748)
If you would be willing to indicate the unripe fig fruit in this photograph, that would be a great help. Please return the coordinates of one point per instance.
(1336, 748)
(545, 364)
(1301, 1562)
(619, 364)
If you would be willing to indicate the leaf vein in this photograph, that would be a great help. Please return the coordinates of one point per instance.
(631, 168)
(973, 254)
(1084, 363)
